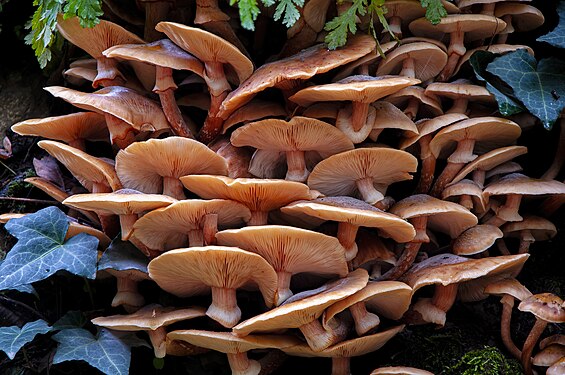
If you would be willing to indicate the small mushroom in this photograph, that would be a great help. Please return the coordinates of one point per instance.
(398, 370)
(469, 194)
(518, 18)
(529, 230)
(549, 355)
(462, 93)
(419, 60)
(476, 240)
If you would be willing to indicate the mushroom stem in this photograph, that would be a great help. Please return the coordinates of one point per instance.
(219, 88)
(488, 9)
(173, 188)
(559, 159)
(395, 26)
(466, 201)
(359, 114)
(121, 134)
(459, 106)
(223, 308)
(210, 228)
(501, 245)
(479, 176)
(364, 320)
(509, 211)
(507, 304)
(283, 287)
(449, 172)
(126, 223)
(165, 87)
(158, 338)
(408, 68)
(346, 234)
(428, 165)
(524, 247)
(296, 166)
(509, 29)
(258, 218)
(368, 191)
(464, 152)
(108, 73)
(240, 364)
(317, 337)
(127, 294)
(195, 238)
(455, 50)
(530, 343)
(444, 296)
(412, 108)
(341, 366)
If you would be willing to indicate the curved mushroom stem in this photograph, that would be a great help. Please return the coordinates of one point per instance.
(559, 159)
(126, 223)
(444, 296)
(318, 338)
(504, 34)
(412, 108)
(459, 106)
(501, 245)
(488, 9)
(121, 134)
(258, 218)
(364, 320)
(359, 114)
(173, 188)
(296, 166)
(158, 339)
(466, 201)
(108, 73)
(479, 176)
(408, 68)
(240, 364)
(283, 287)
(210, 228)
(127, 295)
(165, 87)
(341, 366)
(449, 172)
(428, 165)
(195, 238)
(530, 343)
(219, 88)
(346, 234)
(368, 191)
(455, 50)
(507, 305)
(395, 26)
(509, 211)
(223, 308)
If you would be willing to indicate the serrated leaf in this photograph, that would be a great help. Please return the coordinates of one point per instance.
(106, 351)
(557, 36)
(435, 10)
(340, 26)
(539, 86)
(13, 338)
(506, 104)
(289, 9)
(248, 12)
(122, 256)
(72, 319)
(41, 249)
(87, 11)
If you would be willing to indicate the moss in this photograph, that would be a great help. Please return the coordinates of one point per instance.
(18, 186)
(486, 361)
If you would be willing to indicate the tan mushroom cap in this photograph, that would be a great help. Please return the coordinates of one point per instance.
(301, 311)
(398, 370)
(88, 170)
(121, 202)
(540, 228)
(409, 10)
(359, 88)
(127, 105)
(429, 126)
(207, 47)
(524, 17)
(460, 89)
(500, 49)
(430, 105)
(305, 64)
(353, 211)
(337, 175)
(369, 59)
(502, 169)
(475, 26)
(558, 368)
(516, 183)
(256, 194)
(252, 111)
(372, 250)
(149, 317)
(475, 240)
(388, 116)
(168, 228)
(143, 165)
(456, 191)
(488, 133)
(193, 271)
(66, 128)
(466, 3)
(508, 286)
(427, 59)
(545, 306)
(557, 339)
(446, 269)
(549, 355)
(446, 217)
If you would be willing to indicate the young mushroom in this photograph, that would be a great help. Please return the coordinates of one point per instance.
(419, 60)
(518, 17)
(462, 93)
(529, 230)
(476, 240)
(398, 370)
(468, 194)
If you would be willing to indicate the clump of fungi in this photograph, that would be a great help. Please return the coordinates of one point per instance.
(331, 263)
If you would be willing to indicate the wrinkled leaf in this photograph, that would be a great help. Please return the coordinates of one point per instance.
(121, 256)
(557, 36)
(47, 168)
(539, 86)
(13, 338)
(106, 351)
(72, 319)
(41, 249)
(506, 104)
(435, 10)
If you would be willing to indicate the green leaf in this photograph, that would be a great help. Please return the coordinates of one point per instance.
(557, 37)
(41, 249)
(72, 319)
(87, 11)
(122, 256)
(13, 338)
(290, 11)
(435, 10)
(340, 26)
(107, 351)
(506, 104)
(248, 12)
(539, 86)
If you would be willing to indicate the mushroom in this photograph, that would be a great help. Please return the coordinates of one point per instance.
(398, 370)
(373, 254)
(498, 49)
(237, 158)
(558, 368)
(476, 240)
(549, 355)
(518, 18)
(529, 230)
(416, 103)
(461, 92)
(419, 60)
(152, 319)
(547, 308)
(254, 110)
(197, 270)
(290, 251)
(469, 194)
(387, 116)
(155, 166)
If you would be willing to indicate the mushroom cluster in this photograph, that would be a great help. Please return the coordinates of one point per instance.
(340, 193)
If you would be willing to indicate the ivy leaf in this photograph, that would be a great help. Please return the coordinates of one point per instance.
(340, 26)
(72, 319)
(13, 338)
(41, 249)
(557, 37)
(122, 256)
(506, 104)
(105, 351)
(87, 11)
(435, 10)
(290, 11)
(539, 86)
(248, 12)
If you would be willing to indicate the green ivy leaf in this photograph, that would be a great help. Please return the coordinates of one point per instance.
(41, 249)
(341, 25)
(557, 37)
(435, 10)
(72, 319)
(122, 256)
(540, 86)
(13, 338)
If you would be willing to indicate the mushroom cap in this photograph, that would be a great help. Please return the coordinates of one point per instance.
(409, 10)
(304, 65)
(66, 128)
(398, 370)
(134, 109)
(516, 183)
(168, 228)
(466, 187)
(353, 211)
(296, 311)
(461, 89)
(94, 40)
(257, 194)
(499, 49)
(429, 126)
(475, 26)
(540, 228)
(160, 53)
(372, 250)
(549, 355)
(558, 368)
(524, 17)
(429, 107)
(488, 132)
(149, 317)
(298, 134)
(254, 110)
(506, 168)
(350, 348)
(467, 3)
(443, 216)
(120, 202)
(358, 88)
(388, 116)
(87, 169)
(509, 286)
(551, 340)
(545, 306)
(290, 249)
(227, 342)
(476, 239)
(337, 174)
(446, 269)
(142, 165)
(428, 60)
(207, 47)
(77, 76)
(193, 271)
(369, 59)
(491, 160)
